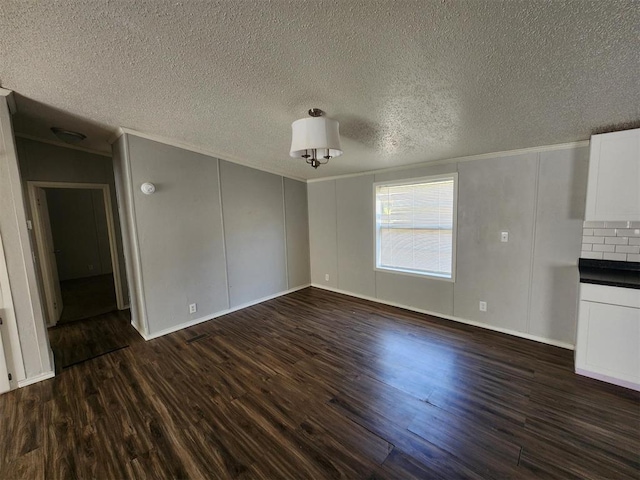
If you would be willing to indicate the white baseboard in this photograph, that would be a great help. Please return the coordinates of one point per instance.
(474, 323)
(141, 332)
(191, 323)
(38, 378)
(608, 379)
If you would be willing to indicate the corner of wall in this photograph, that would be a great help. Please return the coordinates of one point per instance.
(124, 196)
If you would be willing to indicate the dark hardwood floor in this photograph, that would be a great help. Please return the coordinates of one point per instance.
(319, 385)
(87, 297)
(83, 340)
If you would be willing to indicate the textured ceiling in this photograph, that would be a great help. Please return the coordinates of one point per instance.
(409, 81)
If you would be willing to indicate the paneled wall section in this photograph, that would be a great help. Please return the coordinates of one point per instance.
(529, 283)
(214, 233)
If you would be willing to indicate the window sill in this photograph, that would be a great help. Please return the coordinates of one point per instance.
(427, 276)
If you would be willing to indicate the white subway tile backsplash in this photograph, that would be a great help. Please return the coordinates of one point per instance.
(616, 240)
(592, 239)
(628, 232)
(592, 255)
(617, 225)
(627, 249)
(615, 256)
(604, 248)
(605, 232)
(594, 224)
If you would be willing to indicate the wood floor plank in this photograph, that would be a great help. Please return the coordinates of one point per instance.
(315, 385)
(472, 443)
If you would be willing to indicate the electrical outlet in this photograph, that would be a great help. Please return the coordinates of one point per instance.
(193, 308)
(483, 306)
(504, 237)
(326, 277)
(90, 267)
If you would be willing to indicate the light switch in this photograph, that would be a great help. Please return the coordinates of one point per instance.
(504, 237)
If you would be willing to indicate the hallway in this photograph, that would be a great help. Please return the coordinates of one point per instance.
(83, 298)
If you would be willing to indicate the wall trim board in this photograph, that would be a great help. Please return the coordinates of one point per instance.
(221, 313)
(193, 148)
(130, 219)
(224, 235)
(482, 156)
(62, 144)
(234, 159)
(606, 378)
(35, 379)
(533, 241)
(284, 225)
(514, 333)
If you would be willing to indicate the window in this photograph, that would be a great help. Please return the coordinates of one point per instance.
(415, 226)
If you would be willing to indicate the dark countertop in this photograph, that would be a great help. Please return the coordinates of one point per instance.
(608, 272)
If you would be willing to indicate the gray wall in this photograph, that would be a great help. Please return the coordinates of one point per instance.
(51, 163)
(529, 283)
(254, 232)
(214, 233)
(79, 230)
(297, 225)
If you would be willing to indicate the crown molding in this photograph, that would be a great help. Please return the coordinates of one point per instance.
(193, 148)
(62, 144)
(11, 100)
(469, 158)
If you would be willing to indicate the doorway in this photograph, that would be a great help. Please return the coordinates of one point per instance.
(76, 248)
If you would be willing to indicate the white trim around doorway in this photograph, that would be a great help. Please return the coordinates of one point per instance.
(38, 230)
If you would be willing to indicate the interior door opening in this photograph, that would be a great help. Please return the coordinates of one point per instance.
(74, 232)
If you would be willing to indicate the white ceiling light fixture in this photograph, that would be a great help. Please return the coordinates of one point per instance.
(68, 136)
(316, 139)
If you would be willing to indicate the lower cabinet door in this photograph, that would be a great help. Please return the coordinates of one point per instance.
(609, 342)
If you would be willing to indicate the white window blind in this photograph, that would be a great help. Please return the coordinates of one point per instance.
(415, 226)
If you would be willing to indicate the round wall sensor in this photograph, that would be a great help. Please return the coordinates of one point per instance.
(148, 188)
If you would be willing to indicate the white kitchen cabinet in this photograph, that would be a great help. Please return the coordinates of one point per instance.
(613, 189)
(608, 344)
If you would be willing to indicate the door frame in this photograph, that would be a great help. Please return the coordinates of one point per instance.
(49, 270)
(38, 229)
(12, 348)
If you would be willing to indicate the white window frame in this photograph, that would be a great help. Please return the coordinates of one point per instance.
(376, 230)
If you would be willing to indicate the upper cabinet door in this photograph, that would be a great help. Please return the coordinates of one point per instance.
(613, 191)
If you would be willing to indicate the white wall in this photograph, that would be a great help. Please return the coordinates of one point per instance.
(36, 355)
(214, 233)
(529, 283)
